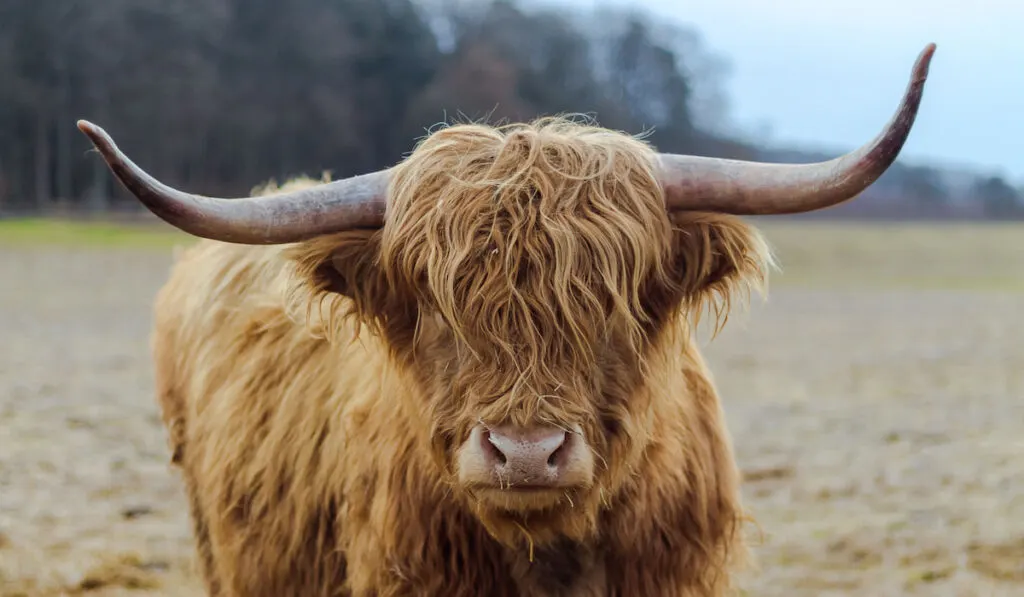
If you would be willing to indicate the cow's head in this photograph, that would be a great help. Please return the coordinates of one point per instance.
(528, 281)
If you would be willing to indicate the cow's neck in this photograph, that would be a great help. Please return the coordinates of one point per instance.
(561, 569)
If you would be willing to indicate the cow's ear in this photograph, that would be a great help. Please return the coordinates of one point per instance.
(345, 264)
(351, 267)
(716, 257)
(353, 270)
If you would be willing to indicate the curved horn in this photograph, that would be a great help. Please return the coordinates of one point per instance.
(356, 202)
(753, 188)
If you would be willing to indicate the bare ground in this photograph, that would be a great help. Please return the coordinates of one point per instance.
(881, 431)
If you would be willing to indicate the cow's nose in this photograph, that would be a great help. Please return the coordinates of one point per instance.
(527, 457)
(535, 457)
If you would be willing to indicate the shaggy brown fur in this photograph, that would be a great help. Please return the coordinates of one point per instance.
(315, 393)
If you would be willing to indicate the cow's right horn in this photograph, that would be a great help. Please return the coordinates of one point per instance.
(357, 202)
(752, 188)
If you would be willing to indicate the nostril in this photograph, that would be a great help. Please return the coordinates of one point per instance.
(499, 456)
(491, 449)
(555, 458)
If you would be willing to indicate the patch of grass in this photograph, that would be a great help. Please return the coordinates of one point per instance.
(42, 232)
(912, 256)
(844, 255)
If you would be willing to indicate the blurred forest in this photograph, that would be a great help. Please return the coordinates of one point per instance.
(217, 96)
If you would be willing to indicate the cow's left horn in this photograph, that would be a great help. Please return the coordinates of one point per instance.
(356, 202)
(752, 188)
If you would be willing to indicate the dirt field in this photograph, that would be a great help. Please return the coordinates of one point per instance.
(876, 401)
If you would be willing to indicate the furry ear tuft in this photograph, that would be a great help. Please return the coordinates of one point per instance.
(718, 258)
(337, 278)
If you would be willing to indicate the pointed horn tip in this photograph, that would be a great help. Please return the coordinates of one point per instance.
(89, 128)
(924, 61)
(98, 136)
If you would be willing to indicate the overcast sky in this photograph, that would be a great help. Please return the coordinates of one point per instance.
(831, 72)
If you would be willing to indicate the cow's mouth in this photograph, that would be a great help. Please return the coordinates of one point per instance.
(520, 498)
(535, 516)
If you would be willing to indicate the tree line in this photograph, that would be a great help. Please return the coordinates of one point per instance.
(217, 96)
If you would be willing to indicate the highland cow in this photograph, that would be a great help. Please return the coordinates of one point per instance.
(473, 373)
